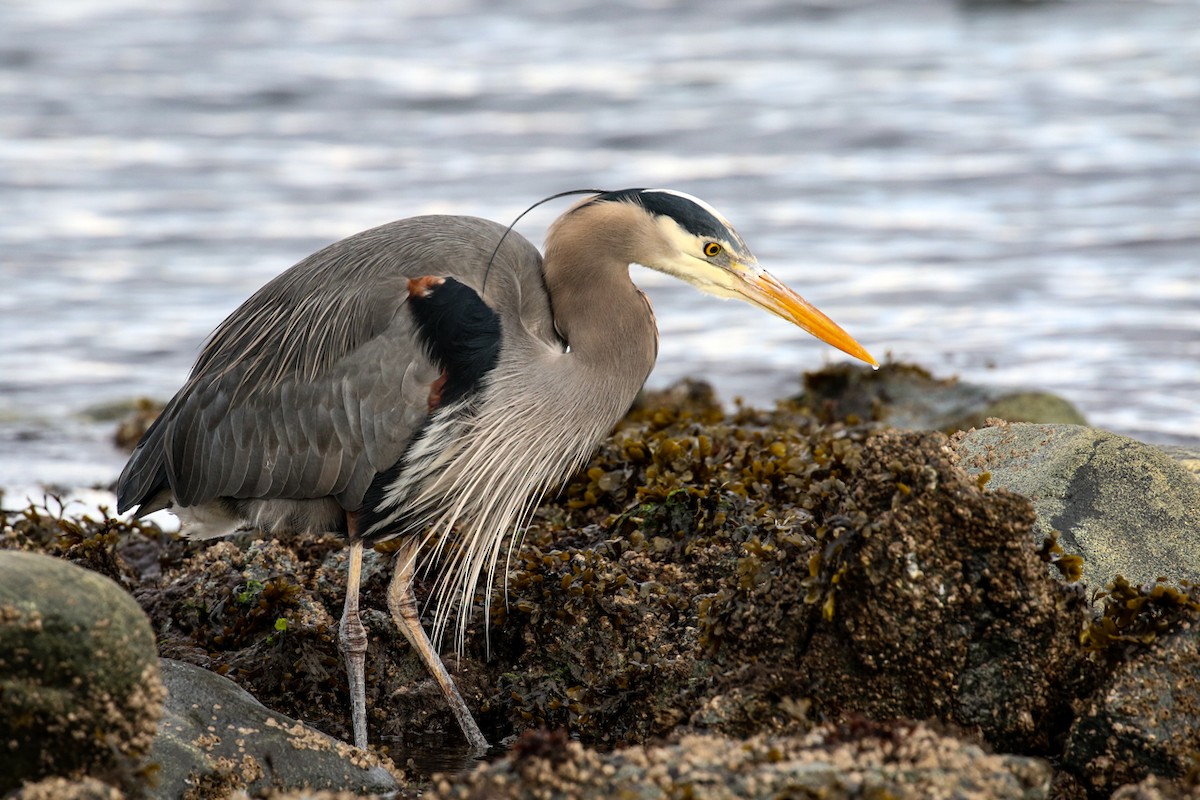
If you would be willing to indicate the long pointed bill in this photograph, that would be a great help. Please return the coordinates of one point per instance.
(766, 291)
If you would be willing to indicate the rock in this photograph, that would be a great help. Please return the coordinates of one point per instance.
(938, 605)
(906, 396)
(802, 575)
(897, 760)
(79, 681)
(1145, 719)
(215, 738)
(737, 580)
(1124, 506)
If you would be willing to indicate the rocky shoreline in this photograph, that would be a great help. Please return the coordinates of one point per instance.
(838, 597)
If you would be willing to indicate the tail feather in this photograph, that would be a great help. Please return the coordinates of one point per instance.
(145, 478)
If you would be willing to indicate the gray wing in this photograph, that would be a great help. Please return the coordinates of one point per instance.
(316, 382)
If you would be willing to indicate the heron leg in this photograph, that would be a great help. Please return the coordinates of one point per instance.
(403, 605)
(352, 635)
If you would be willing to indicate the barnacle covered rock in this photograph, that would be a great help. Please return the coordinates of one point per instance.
(1145, 718)
(247, 611)
(731, 583)
(79, 680)
(760, 572)
(936, 603)
(897, 760)
(610, 606)
(216, 739)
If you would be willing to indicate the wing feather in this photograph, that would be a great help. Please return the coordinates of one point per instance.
(316, 382)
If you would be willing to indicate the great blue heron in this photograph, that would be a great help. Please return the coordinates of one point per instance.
(360, 392)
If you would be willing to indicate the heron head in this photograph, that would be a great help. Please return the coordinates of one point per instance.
(683, 236)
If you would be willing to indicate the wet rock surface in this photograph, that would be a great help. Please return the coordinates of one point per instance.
(79, 683)
(1126, 507)
(216, 738)
(718, 581)
(1145, 719)
(909, 397)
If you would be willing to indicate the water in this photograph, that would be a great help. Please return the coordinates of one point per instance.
(1011, 194)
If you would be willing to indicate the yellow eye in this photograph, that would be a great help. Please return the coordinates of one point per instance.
(712, 249)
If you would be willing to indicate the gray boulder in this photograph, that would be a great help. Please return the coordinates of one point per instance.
(215, 739)
(79, 681)
(1126, 507)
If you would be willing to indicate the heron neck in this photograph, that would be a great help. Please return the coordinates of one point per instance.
(606, 320)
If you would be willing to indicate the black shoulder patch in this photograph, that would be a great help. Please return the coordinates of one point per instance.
(692, 217)
(460, 332)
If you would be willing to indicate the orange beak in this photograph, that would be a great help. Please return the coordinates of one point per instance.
(766, 291)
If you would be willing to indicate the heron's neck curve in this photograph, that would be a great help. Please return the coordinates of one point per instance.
(606, 320)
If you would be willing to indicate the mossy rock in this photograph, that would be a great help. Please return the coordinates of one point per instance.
(79, 681)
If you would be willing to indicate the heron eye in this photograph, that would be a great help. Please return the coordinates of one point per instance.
(712, 249)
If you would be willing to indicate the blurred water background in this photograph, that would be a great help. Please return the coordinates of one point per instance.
(1009, 193)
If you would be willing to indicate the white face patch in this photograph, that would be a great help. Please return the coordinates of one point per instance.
(681, 242)
(687, 263)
